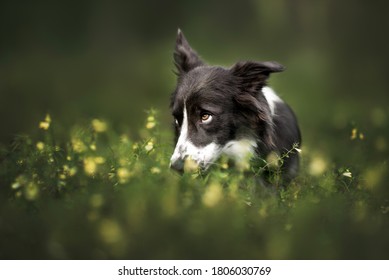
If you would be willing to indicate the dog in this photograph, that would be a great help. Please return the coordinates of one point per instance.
(229, 111)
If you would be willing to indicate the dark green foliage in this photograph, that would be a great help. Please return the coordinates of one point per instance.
(101, 195)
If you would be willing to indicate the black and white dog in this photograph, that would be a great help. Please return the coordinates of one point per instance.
(229, 111)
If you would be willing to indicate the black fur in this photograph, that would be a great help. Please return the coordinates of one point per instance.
(234, 98)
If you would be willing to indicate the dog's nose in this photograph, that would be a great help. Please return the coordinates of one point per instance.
(177, 165)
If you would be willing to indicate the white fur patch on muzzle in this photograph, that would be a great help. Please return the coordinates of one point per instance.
(185, 149)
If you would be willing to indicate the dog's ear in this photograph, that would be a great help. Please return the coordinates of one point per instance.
(185, 58)
(252, 76)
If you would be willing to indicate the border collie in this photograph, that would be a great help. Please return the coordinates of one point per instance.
(229, 111)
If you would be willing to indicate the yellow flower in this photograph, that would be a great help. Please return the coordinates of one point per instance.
(72, 171)
(99, 160)
(66, 169)
(46, 123)
(90, 166)
(317, 166)
(149, 146)
(31, 191)
(21, 180)
(224, 163)
(212, 195)
(99, 126)
(155, 170)
(124, 139)
(78, 145)
(15, 185)
(190, 165)
(40, 146)
(123, 175)
(150, 125)
(354, 133)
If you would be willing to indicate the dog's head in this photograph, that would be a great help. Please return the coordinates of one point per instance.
(218, 110)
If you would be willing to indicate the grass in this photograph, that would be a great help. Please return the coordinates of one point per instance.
(97, 194)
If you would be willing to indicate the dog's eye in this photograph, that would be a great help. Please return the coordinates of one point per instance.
(206, 118)
(176, 122)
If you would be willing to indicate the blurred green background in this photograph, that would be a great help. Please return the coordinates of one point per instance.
(113, 59)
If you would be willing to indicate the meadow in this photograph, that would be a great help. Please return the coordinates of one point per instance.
(99, 194)
(84, 165)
